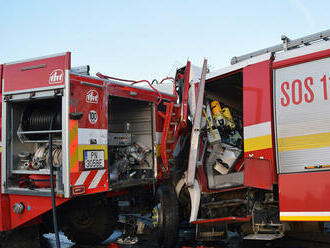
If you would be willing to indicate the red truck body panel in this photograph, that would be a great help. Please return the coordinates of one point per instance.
(258, 173)
(35, 206)
(50, 73)
(258, 113)
(304, 196)
(88, 96)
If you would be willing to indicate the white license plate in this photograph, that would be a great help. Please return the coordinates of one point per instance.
(93, 159)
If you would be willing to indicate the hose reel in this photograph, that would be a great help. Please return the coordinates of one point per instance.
(36, 123)
(37, 117)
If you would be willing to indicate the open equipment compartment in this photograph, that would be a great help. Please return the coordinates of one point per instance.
(35, 96)
(131, 142)
(29, 121)
(224, 110)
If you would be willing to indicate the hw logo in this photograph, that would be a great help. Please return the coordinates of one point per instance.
(56, 77)
(92, 96)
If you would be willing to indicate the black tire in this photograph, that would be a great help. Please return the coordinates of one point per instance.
(168, 216)
(89, 221)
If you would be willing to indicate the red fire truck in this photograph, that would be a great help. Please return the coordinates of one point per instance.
(72, 143)
(258, 160)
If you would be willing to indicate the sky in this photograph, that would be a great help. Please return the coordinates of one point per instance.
(148, 39)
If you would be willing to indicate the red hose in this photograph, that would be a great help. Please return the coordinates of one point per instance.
(167, 78)
(170, 78)
(132, 83)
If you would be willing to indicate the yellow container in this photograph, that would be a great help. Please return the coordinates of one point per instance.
(216, 108)
(217, 113)
(229, 118)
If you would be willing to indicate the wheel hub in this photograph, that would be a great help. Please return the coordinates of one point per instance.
(155, 215)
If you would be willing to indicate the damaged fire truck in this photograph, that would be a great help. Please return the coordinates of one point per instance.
(244, 148)
(259, 153)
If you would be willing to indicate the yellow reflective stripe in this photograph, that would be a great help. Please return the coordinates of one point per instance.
(81, 149)
(310, 141)
(258, 143)
(73, 139)
(74, 160)
(304, 218)
(73, 132)
(317, 166)
(158, 150)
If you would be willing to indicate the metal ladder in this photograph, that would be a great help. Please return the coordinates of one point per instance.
(286, 45)
(168, 138)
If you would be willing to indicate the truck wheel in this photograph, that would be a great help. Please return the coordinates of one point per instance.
(166, 216)
(89, 221)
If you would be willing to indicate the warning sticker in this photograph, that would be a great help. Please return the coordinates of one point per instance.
(92, 116)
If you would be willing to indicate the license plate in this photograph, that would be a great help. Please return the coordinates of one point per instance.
(93, 159)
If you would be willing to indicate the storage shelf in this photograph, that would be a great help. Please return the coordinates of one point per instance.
(39, 132)
(39, 141)
(30, 172)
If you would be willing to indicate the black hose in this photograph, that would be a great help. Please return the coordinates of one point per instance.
(39, 118)
(50, 140)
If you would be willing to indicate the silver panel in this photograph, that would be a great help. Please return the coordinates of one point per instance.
(22, 191)
(139, 118)
(38, 94)
(275, 123)
(65, 135)
(216, 181)
(92, 85)
(33, 90)
(196, 130)
(304, 120)
(154, 140)
(295, 161)
(4, 145)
